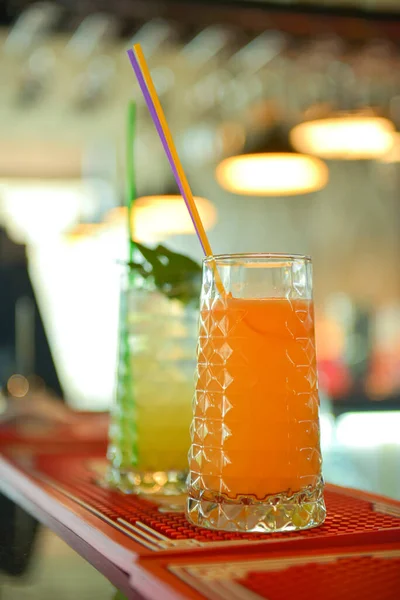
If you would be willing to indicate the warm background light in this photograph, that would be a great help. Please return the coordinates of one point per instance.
(347, 137)
(18, 386)
(272, 174)
(393, 154)
(157, 217)
(82, 231)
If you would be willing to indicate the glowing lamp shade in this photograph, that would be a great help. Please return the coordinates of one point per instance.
(344, 137)
(272, 174)
(393, 154)
(157, 217)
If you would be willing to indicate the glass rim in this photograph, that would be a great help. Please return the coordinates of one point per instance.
(256, 256)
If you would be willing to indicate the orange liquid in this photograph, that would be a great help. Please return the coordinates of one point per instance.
(256, 425)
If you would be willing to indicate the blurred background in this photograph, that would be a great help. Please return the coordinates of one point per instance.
(317, 90)
(312, 89)
(286, 119)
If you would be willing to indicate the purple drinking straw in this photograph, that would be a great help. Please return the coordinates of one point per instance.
(156, 121)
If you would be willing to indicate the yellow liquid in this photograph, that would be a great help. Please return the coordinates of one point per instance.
(163, 347)
(162, 421)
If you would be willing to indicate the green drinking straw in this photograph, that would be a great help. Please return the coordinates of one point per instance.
(127, 422)
(124, 444)
(130, 173)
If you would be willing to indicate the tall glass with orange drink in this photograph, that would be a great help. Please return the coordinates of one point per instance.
(255, 459)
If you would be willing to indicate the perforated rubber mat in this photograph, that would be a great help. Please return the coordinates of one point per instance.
(158, 529)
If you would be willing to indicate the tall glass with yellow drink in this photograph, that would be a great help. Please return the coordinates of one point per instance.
(150, 420)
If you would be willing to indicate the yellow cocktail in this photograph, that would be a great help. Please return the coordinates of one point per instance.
(149, 433)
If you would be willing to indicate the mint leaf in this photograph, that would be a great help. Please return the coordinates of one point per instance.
(175, 275)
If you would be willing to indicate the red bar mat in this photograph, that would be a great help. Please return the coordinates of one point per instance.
(350, 513)
(58, 438)
(356, 573)
(361, 577)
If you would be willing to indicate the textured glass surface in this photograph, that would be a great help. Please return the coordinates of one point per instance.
(255, 460)
(149, 432)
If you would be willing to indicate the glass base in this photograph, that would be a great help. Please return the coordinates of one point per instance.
(158, 483)
(303, 510)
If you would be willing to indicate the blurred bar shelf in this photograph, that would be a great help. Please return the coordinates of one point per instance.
(355, 21)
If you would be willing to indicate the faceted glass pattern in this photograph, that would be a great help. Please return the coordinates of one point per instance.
(255, 460)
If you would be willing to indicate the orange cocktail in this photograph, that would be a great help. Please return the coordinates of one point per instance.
(255, 461)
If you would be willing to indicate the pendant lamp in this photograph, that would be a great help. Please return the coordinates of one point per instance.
(158, 216)
(270, 167)
(352, 135)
